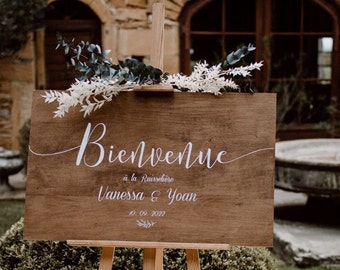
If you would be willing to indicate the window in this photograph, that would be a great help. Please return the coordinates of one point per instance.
(325, 49)
(217, 29)
(297, 39)
(297, 29)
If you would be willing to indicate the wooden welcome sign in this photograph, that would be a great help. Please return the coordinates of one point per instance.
(154, 167)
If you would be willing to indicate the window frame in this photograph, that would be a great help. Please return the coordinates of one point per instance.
(263, 33)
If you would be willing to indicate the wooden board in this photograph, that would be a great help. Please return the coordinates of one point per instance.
(154, 167)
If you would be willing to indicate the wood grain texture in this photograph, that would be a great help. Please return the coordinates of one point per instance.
(174, 196)
(153, 259)
(157, 32)
(149, 244)
(106, 258)
(193, 262)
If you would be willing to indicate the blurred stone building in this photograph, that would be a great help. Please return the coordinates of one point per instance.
(297, 39)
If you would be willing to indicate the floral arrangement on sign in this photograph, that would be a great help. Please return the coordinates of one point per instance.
(100, 79)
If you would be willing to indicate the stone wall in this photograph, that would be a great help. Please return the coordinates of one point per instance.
(133, 21)
(126, 30)
(16, 86)
(5, 114)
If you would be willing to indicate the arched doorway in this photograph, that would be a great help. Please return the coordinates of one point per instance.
(72, 19)
(298, 39)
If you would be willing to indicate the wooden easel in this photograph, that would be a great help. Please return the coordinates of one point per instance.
(153, 251)
(153, 256)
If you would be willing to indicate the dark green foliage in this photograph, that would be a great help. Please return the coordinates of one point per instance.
(236, 56)
(10, 211)
(97, 63)
(29, 255)
(17, 19)
(237, 258)
(19, 254)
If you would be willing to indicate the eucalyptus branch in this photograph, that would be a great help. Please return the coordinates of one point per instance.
(97, 63)
(236, 56)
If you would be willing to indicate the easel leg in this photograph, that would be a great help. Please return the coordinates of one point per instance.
(106, 258)
(193, 261)
(153, 259)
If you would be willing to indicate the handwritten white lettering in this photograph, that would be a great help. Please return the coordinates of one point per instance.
(109, 194)
(85, 142)
(155, 179)
(156, 155)
(188, 157)
(176, 196)
(155, 195)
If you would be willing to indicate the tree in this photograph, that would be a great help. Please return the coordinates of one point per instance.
(17, 19)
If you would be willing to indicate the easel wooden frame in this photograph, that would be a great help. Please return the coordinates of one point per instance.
(153, 251)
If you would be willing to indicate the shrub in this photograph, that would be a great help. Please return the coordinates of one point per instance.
(19, 254)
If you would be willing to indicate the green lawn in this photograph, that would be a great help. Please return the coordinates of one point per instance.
(12, 210)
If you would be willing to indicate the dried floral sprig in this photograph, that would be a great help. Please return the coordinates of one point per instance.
(244, 71)
(210, 79)
(101, 79)
(90, 94)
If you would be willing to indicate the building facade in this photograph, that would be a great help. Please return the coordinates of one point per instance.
(297, 39)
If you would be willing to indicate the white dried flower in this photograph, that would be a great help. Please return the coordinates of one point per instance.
(90, 95)
(203, 79)
(93, 93)
(244, 71)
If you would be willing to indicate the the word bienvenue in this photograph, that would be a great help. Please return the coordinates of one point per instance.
(139, 156)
